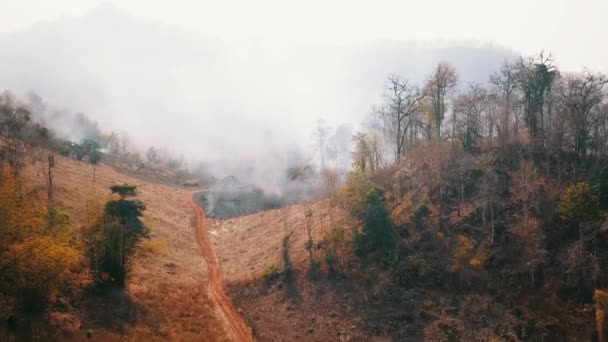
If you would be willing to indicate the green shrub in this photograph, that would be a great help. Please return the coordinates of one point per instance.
(378, 232)
(272, 275)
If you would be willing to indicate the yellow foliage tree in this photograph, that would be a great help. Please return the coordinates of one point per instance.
(34, 251)
(463, 252)
(40, 265)
(579, 203)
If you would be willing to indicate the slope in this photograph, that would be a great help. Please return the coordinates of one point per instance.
(167, 295)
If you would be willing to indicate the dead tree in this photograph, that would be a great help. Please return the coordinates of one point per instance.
(48, 176)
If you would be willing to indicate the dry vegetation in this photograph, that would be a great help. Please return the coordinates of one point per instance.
(248, 246)
(167, 292)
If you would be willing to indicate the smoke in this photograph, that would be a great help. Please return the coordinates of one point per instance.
(241, 108)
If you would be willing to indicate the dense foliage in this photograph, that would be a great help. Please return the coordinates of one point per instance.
(111, 239)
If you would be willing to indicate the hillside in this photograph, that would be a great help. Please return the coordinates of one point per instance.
(167, 296)
(480, 271)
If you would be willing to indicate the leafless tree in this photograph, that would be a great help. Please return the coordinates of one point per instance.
(321, 133)
(402, 102)
(48, 176)
(469, 106)
(368, 151)
(504, 83)
(581, 95)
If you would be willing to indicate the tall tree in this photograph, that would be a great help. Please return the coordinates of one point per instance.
(439, 84)
(504, 82)
(402, 102)
(581, 95)
(469, 105)
(535, 77)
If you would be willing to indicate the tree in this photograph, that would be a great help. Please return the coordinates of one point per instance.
(439, 84)
(402, 102)
(37, 257)
(535, 78)
(124, 190)
(111, 239)
(308, 215)
(469, 105)
(14, 117)
(152, 155)
(368, 151)
(40, 264)
(321, 133)
(581, 95)
(48, 176)
(601, 306)
(378, 234)
(504, 82)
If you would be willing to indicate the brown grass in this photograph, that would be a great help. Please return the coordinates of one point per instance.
(250, 245)
(171, 282)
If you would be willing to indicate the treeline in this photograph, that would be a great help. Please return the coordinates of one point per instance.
(529, 100)
(497, 188)
(24, 124)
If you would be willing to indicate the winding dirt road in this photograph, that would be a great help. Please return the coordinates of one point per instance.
(233, 319)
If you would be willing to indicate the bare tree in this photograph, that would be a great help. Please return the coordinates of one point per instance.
(368, 151)
(581, 95)
(48, 176)
(470, 106)
(402, 102)
(321, 133)
(505, 85)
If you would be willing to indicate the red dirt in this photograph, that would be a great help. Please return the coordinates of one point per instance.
(232, 318)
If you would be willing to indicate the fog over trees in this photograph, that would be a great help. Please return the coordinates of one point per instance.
(206, 97)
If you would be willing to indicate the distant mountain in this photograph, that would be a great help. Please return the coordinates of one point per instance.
(167, 86)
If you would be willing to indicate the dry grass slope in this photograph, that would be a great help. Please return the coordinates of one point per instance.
(168, 276)
(250, 245)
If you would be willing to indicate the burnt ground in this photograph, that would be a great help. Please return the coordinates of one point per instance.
(227, 203)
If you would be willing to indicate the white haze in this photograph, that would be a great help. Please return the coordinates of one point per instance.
(244, 107)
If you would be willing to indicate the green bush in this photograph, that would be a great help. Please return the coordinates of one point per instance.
(271, 275)
(378, 233)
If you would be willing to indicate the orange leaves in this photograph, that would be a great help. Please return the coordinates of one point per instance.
(601, 303)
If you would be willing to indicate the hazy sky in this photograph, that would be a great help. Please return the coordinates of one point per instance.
(573, 30)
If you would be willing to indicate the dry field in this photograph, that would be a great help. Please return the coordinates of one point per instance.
(297, 310)
(168, 290)
(248, 246)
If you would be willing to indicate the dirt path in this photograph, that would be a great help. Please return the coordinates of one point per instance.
(233, 319)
